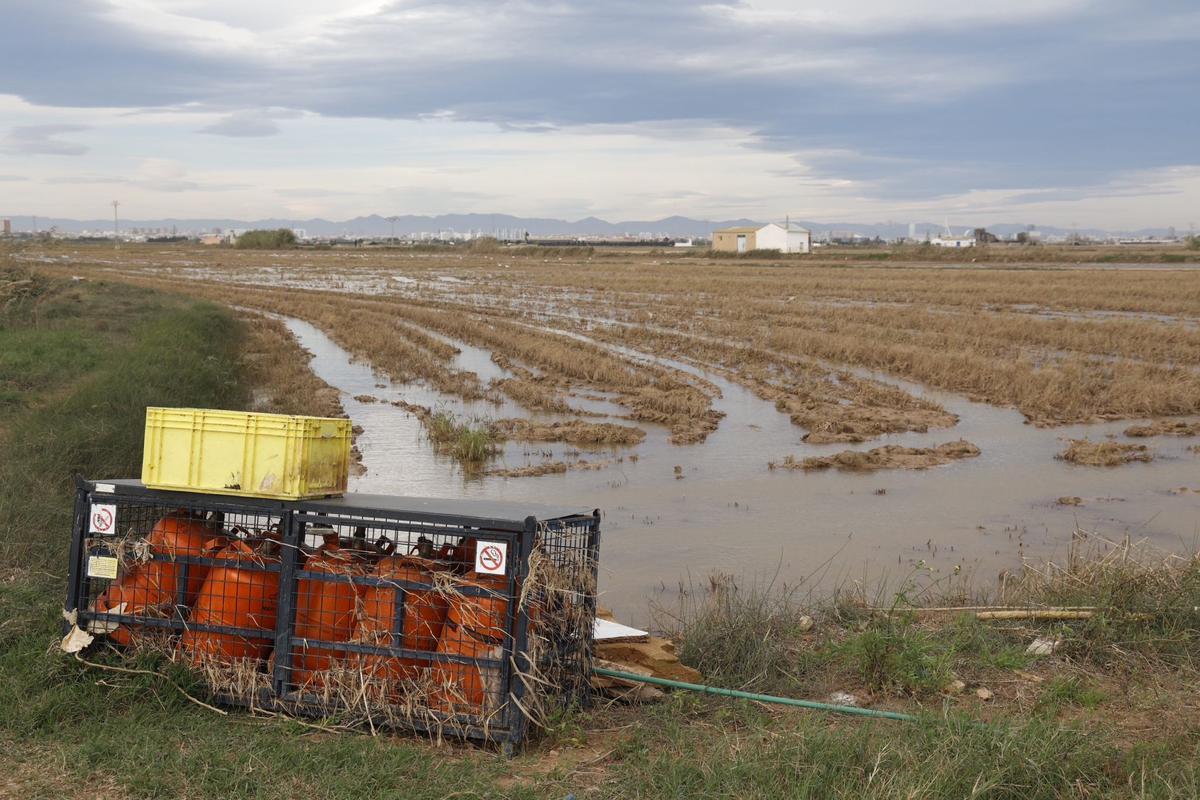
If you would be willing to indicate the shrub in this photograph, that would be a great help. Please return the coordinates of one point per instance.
(266, 239)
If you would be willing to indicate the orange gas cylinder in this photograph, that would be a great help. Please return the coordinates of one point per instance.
(151, 587)
(239, 594)
(325, 610)
(424, 615)
(476, 627)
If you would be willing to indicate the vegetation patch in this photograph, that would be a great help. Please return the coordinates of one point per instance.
(888, 457)
(266, 239)
(1104, 453)
(572, 431)
(1165, 427)
(471, 444)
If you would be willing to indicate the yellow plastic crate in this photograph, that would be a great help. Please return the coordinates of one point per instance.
(240, 453)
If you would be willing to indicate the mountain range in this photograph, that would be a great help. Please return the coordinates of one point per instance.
(677, 226)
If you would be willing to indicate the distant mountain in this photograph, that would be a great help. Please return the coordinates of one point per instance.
(376, 225)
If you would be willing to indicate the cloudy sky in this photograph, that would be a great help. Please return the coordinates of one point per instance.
(1052, 111)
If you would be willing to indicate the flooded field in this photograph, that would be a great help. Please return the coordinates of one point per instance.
(728, 369)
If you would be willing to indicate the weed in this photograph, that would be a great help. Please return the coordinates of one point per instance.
(469, 444)
(897, 656)
(1069, 690)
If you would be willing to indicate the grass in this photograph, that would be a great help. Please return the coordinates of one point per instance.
(96, 356)
(471, 444)
(1070, 690)
(1143, 615)
(745, 754)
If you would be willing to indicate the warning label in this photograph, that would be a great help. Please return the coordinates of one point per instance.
(491, 558)
(102, 567)
(103, 518)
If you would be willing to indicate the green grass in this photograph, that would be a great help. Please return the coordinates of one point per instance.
(469, 444)
(741, 752)
(1070, 690)
(85, 369)
(753, 637)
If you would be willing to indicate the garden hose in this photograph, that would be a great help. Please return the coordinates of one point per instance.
(760, 698)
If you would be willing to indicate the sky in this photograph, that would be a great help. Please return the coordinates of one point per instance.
(1058, 112)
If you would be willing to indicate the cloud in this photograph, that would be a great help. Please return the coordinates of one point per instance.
(312, 193)
(42, 140)
(12, 178)
(84, 179)
(243, 124)
(168, 175)
(866, 101)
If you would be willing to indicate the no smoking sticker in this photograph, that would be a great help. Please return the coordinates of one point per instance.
(102, 518)
(491, 558)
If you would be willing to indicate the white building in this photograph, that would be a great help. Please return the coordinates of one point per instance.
(953, 241)
(786, 238)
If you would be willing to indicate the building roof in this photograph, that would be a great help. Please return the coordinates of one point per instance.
(788, 226)
(740, 229)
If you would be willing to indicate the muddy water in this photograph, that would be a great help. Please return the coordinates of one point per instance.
(728, 512)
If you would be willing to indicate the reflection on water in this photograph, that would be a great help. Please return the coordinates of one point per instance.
(730, 513)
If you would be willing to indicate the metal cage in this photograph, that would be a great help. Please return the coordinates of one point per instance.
(445, 617)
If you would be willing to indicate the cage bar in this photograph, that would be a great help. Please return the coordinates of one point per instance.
(468, 619)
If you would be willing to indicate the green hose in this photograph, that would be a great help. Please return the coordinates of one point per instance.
(761, 698)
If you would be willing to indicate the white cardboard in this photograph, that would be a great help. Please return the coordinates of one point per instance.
(607, 629)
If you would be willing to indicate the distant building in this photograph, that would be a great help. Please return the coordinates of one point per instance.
(8, 227)
(786, 238)
(735, 240)
(953, 241)
(984, 236)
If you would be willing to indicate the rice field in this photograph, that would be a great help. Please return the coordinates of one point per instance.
(663, 387)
